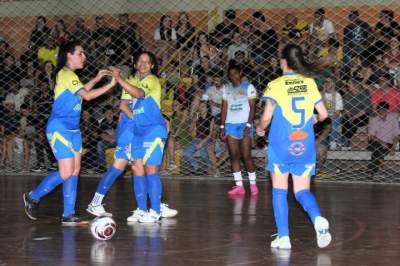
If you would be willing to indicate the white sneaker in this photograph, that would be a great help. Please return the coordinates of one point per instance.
(98, 211)
(167, 212)
(281, 243)
(321, 226)
(150, 217)
(136, 215)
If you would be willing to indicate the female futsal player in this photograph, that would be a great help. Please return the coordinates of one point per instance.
(63, 131)
(122, 156)
(237, 114)
(290, 102)
(149, 135)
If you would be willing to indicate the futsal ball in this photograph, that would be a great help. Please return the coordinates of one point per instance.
(103, 228)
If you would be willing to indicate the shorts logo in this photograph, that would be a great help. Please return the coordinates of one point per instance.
(297, 149)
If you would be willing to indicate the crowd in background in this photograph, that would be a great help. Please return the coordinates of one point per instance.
(360, 79)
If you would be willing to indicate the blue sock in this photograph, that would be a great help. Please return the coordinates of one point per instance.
(281, 213)
(69, 193)
(47, 185)
(155, 188)
(309, 203)
(108, 179)
(140, 189)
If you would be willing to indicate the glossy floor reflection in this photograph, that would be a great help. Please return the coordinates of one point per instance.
(211, 228)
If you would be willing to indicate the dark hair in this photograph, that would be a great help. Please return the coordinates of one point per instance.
(295, 58)
(234, 66)
(168, 36)
(382, 105)
(24, 106)
(230, 14)
(354, 13)
(68, 47)
(217, 72)
(153, 61)
(320, 12)
(259, 15)
(179, 23)
(388, 13)
(107, 108)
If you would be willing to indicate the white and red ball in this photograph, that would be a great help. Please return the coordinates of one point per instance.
(103, 228)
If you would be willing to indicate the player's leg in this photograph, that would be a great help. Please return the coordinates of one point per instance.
(249, 163)
(301, 188)
(234, 153)
(139, 188)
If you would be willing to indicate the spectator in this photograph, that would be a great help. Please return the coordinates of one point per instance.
(107, 136)
(385, 29)
(357, 108)
(82, 32)
(10, 128)
(30, 75)
(48, 52)
(248, 33)
(295, 29)
(128, 35)
(60, 33)
(322, 28)
(383, 133)
(236, 45)
(16, 94)
(202, 71)
(40, 33)
(203, 125)
(89, 127)
(392, 58)
(165, 38)
(101, 30)
(8, 72)
(334, 105)
(322, 131)
(202, 47)
(214, 93)
(268, 42)
(29, 55)
(28, 134)
(221, 36)
(385, 92)
(242, 60)
(184, 31)
(357, 36)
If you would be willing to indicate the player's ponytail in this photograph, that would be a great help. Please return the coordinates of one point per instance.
(68, 47)
(295, 58)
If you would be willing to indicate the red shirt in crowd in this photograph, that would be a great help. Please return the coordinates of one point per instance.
(391, 96)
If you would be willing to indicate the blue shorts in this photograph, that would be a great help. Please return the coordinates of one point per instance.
(65, 143)
(236, 130)
(124, 143)
(149, 147)
(277, 166)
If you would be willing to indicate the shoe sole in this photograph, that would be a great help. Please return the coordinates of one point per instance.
(99, 215)
(24, 197)
(324, 237)
(74, 223)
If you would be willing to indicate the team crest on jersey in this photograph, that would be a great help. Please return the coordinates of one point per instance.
(75, 82)
(77, 108)
(297, 148)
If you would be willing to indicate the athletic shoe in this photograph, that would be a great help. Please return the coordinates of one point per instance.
(150, 217)
(31, 207)
(136, 215)
(254, 189)
(237, 191)
(281, 243)
(98, 211)
(167, 212)
(73, 220)
(321, 226)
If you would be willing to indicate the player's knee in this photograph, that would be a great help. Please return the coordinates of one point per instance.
(66, 173)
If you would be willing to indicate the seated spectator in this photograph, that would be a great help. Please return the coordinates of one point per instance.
(267, 44)
(391, 58)
(10, 128)
(356, 110)
(82, 32)
(89, 128)
(9, 71)
(248, 33)
(184, 31)
(322, 28)
(385, 29)
(202, 71)
(295, 29)
(165, 38)
(332, 51)
(386, 92)
(48, 52)
(383, 133)
(40, 33)
(60, 33)
(236, 45)
(334, 105)
(322, 131)
(16, 95)
(203, 125)
(107, 136)
(101, 29)
(221, 36)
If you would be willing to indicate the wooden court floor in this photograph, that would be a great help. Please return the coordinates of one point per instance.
(211, 228)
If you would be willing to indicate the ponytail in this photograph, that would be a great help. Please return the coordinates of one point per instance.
(68, 47)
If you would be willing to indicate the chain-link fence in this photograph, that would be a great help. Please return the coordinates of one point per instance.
(195, 42)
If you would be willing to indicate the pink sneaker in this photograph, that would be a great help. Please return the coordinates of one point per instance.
(236, 190)
(254, 189)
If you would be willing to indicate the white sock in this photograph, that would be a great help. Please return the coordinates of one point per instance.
(252, 178)
(97, 199)
(238, 178)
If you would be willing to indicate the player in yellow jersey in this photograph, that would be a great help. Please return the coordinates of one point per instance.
(63, 131)
(290, 102)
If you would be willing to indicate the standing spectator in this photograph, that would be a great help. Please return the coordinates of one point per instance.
(334, 105)
(202, 47)
(165, 37)
(40, 33)
(385, 92)
(49, 51)
(221, 36)
(184, 31)
(383, 133)
(202, 71)
(82, 32)
(214, 93)
(268, 38)
(295, 29)
(357, 35)
(385, 29)
(236, 45)
(107, 136)
(357, 108)
(322, 28)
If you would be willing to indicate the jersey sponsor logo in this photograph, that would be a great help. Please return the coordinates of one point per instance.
(294, 82)
(297, 148)
(138, 111)
(77, 108)
(299, 89)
